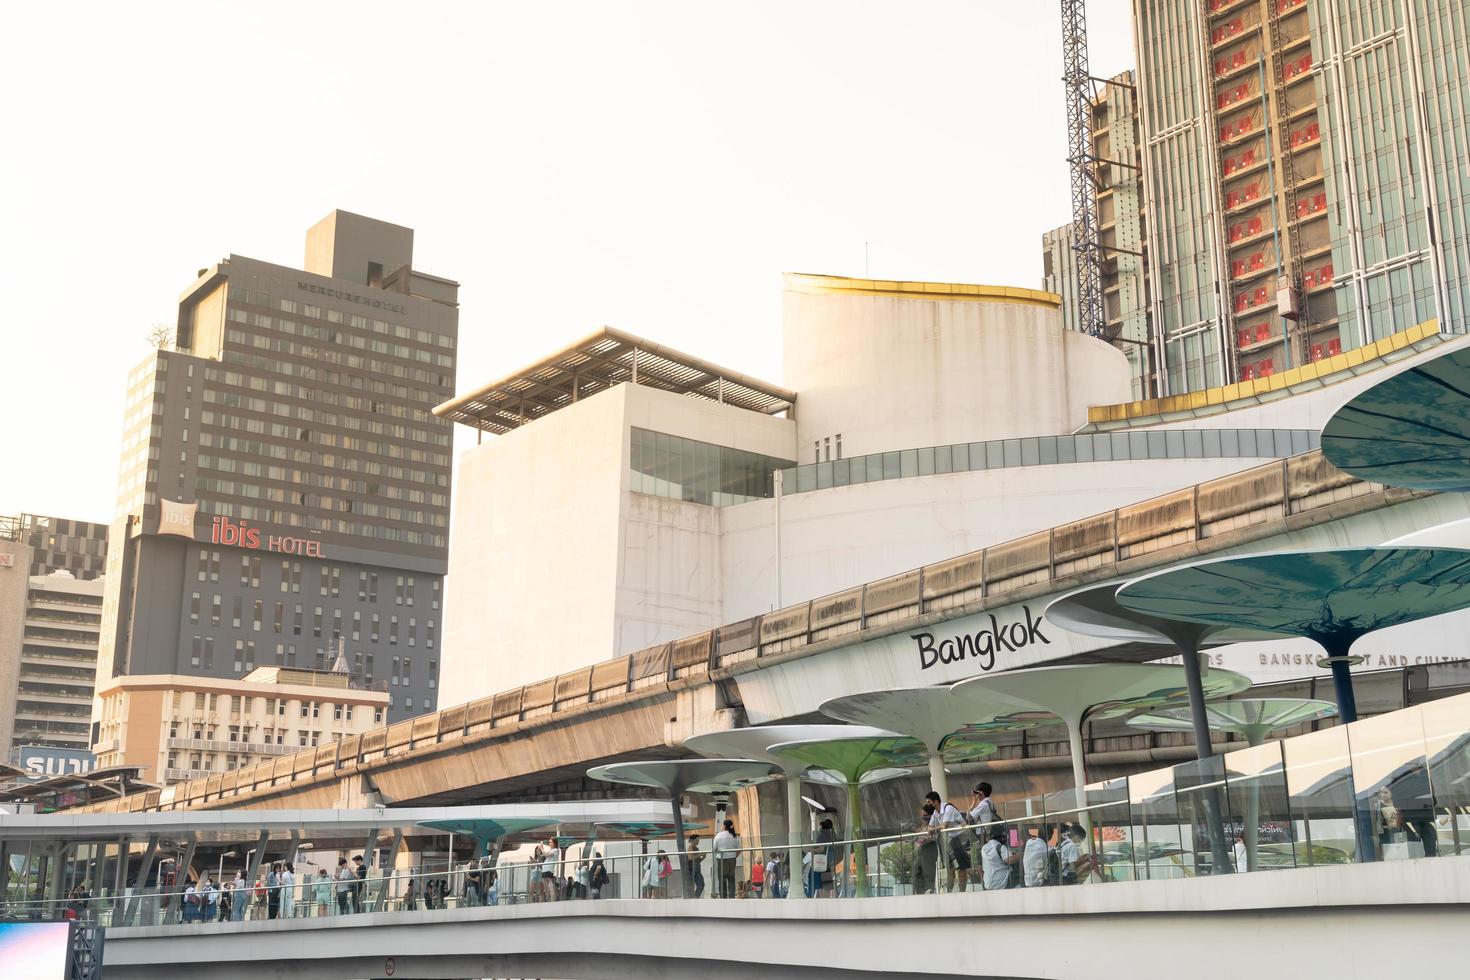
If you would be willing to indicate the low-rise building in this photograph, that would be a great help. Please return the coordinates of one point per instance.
(179, 727)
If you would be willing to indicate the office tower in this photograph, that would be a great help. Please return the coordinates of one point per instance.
(1305, 168)
(284, 489)
(1121, 219)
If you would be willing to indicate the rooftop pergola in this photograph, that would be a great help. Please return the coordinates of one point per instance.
(1411, 429)
(601, 361)
(1331, 597)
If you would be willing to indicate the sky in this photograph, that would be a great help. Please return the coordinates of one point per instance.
(648, 166)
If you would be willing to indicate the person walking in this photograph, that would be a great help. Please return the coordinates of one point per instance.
(322, 892)
(695, 858)
(346, 884)
(947, 822)
(649, 879)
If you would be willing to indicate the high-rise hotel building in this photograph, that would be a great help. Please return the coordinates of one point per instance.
(284, 489)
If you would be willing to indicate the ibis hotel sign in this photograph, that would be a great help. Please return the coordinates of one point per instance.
(177, 518)
(239, 534)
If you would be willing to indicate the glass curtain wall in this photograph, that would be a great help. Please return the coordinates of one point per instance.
(699, 472)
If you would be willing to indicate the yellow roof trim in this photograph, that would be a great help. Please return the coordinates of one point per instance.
(818, 285)
(1325, 371)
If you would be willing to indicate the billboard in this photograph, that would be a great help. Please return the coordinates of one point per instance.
(36, 950)
(44, 761)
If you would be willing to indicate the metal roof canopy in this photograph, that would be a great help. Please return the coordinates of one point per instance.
(601, 361)
(232, 825)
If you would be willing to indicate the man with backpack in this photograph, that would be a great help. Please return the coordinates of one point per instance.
(945, 825)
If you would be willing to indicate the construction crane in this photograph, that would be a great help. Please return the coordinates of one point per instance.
(1085, 246)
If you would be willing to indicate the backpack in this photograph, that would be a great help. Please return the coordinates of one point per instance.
(193, 898)
(665, 869)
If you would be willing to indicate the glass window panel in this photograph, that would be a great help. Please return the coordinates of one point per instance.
(960, 457)
(1198, 787)
(1102, 447)
(824, 476)
(978, 459)
(1247, 442)
(1120, 445)
(1157, 446)
(1230, 442)
(926, 462)
(1319, 778)
(1447, 749)
(840, 471)
(1066, 449)
(1137, 445)
(908, 462)
(1030, 451)
(941, 459)
(1048, 446)
(890, 469)
(1011, 452)
(994, 455)
(1158, 842)
(1082, 447)
(1210, 442)
(1395, 805)
(1300, 441)
(1260, 835)
(806, 478)
(875, 467)
(1194, 445)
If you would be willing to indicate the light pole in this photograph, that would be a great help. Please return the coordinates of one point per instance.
(219, 876)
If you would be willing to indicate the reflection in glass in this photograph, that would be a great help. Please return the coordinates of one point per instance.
(1447, 748)
(1158, 848)
(1319, 778)
(1395, 806)
(1261, 833)
(701, 472)
(1197, 787)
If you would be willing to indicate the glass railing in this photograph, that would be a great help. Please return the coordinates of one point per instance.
(1394, 787)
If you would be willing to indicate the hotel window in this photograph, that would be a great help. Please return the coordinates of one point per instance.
(407, 670)
(280, 620)
(408, 588)
(393, 630)
(285, 576)
(336, 581)
(280, 653)
(362, 586)
(236, 609)
(356, 625)
(257, 614)
(372, 587)
(408, 704)
(244, 569)
(198, 705)
(378, 715)
(203, 565)
(413, 630)
(215, 605)
(323, 579)
(239, 656)
(196, 651)
(296, 623)
(316, 622)
(436, 594)
(214, 566)
(433, 674)
(373, 634)
(393, 678)
(194, 608)
(398, 591)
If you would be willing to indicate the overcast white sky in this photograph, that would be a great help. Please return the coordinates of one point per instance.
(651, 166)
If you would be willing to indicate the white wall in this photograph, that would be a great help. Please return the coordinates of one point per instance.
(835, 539)
(533, 555)
(901, 373)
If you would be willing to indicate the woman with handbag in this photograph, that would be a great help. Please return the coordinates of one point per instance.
(823, 855)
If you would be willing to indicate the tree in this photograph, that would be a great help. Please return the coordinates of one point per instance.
(161, 335)
(897, 861)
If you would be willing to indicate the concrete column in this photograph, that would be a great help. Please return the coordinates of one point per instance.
(675, 792)
(939, 782)
(119, 879)
(142, 881)
(1220, 861)
(794, 836)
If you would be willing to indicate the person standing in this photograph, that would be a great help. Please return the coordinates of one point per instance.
(550, 869)
(757, 877)
(322, 889)
(726, 852)
(1036, 858)
(210, 908)
(649, 878)
(597, 877)
(273, 891)
(823, 855)
(288, 891)
(773, 876)
(346, 883)
(239, 897)
(696, 866)
(1069, 855)
(190, 904)
(359, 894)
(996, 860)
(926, 852)
(947, 821)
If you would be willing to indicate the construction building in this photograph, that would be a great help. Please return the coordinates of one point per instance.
(1121, 219)
(1305, 182)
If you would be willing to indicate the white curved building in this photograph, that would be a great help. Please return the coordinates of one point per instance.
(886, 365)
(634, 495)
